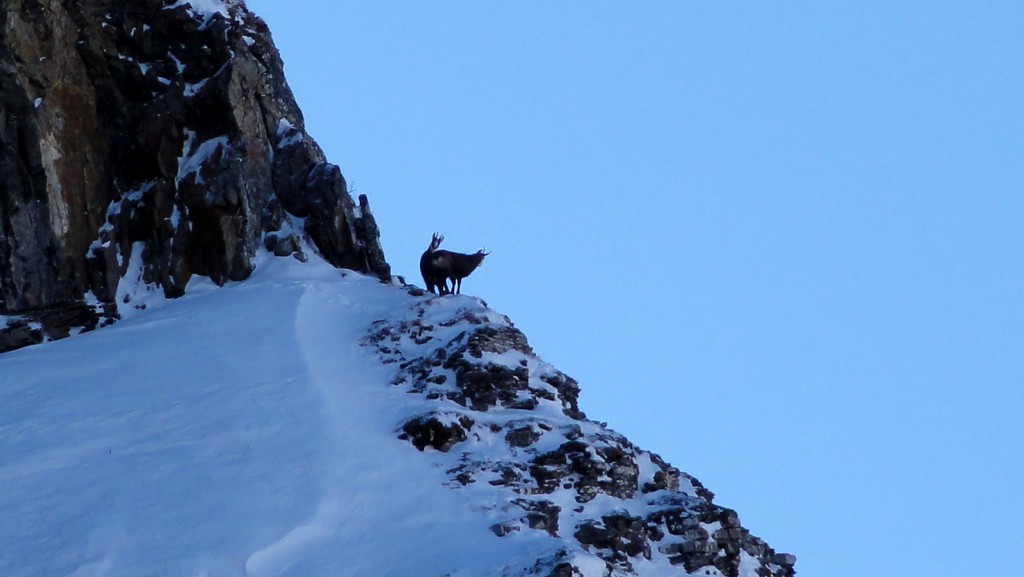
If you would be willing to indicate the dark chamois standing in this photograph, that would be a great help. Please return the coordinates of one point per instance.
(455, 266)
(431, 277)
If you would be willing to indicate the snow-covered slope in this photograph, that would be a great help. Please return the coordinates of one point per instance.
(315, 422)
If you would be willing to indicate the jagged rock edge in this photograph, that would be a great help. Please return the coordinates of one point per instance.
(476, 368)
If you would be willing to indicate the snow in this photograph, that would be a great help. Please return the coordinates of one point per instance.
(191, 161)
(287, 134)
(193, 88)
(252, 430)
(133, 293)
(235, 431)
(177, 63)
(284, 126)
(202, 7)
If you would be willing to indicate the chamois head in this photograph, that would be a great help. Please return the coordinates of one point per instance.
(435, 241)
(431, 277)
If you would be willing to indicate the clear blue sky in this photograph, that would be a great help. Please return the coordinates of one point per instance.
(779, 243)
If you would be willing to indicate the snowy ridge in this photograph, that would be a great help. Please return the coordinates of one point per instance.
(297, 424)
(506, 428)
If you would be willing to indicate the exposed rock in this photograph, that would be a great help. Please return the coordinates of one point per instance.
(565, 570)
(542, 515)
(589, 469)
(568, 390)
(153, 135)
(430, 431)
(504, 528)
(784, 560)
(618, 537)
(522, 436)
(480, 370)
(368, 234)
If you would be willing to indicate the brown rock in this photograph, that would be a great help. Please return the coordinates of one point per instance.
(126, 127)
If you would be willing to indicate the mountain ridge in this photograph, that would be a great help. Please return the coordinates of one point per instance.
(266, 435)
(311, 415)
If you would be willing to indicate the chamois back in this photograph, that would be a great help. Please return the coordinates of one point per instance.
(456, 266)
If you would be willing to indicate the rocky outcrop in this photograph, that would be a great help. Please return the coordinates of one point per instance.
(506, 421)
(150, 141)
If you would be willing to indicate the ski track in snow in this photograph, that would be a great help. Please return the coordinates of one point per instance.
(318, 332)
(328, 327)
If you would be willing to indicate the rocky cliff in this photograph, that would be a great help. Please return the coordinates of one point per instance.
(504, 420)
(147, 141)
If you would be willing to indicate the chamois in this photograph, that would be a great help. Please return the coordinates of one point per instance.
(431, 276)
(455, 266)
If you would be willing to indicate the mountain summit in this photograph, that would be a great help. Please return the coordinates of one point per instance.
(269, 402)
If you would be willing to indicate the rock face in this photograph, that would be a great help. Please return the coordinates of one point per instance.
(145, 141)
(507, 425)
